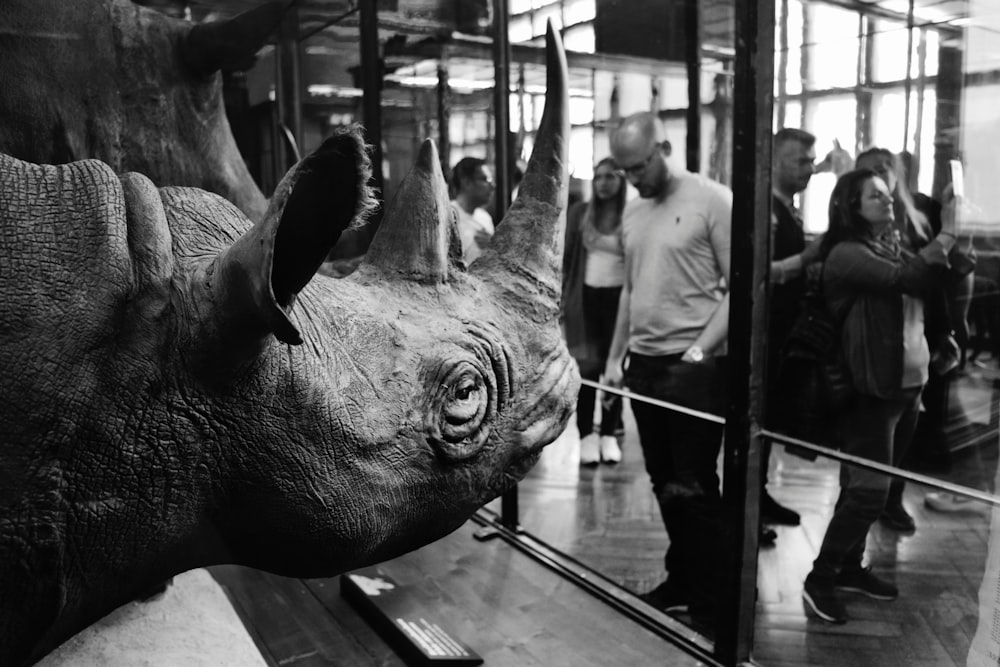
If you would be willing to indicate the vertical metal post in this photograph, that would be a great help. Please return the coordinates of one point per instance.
(371, 85)
(444, 113)
(752, 111)
(692, 56)
(501, 175)
(287, 94)
(908, 83)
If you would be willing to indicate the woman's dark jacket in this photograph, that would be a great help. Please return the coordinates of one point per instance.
(870, 278)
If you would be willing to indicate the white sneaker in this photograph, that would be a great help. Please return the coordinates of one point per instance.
(950, 502)
(610, 451)
(590, 450)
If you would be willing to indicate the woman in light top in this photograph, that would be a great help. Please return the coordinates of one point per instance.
(593, 275)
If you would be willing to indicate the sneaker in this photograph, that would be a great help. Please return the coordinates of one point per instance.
(821, 599)
(896, 517)
(665, 598)
(590, 450)
(610, 451)
(772, 512)
(950, 502)
(863, 581)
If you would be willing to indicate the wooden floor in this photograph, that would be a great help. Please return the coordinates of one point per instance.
(507, 607)
(513, 611)
(606, 517)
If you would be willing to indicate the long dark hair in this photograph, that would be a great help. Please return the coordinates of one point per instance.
(903, 204)
(619, 199)
(846, 223)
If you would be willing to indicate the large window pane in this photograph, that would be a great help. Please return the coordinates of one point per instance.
(831, 47)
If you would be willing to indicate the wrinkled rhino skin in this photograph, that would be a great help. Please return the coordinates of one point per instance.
(114, 81)
(181, 390)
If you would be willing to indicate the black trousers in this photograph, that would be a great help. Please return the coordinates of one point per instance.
(600, 310)
(680, 453)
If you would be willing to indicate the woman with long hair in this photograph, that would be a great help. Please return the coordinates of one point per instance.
(874, 287)
(917, 218)
(593, 275)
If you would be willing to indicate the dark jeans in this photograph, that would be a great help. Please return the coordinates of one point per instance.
(600, 310)
(680, 453)
(880, 430)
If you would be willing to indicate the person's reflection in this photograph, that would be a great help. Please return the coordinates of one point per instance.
(791, 170)
(875, 288)
(916, 219)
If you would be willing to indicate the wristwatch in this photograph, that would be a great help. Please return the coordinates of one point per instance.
(696, 354)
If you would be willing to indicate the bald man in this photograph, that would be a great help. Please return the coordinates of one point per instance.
(673, 317)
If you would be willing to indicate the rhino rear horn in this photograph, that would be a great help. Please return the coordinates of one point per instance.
(315, 202)
(230, 44)
(524, 254)
(415, 236)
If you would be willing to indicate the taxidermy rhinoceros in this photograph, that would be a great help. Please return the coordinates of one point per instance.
(179, 390)
(111, 80)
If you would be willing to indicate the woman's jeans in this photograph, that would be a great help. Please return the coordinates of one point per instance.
(600, 310)
(880, 430)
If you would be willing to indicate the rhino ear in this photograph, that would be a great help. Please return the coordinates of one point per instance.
(315, 202)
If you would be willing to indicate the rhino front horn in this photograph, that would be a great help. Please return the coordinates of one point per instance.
(525, 254)
(231, 44)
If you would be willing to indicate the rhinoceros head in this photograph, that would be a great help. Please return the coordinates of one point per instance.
(110, 80)
(181, 389)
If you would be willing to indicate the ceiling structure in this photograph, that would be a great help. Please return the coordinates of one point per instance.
(415, 35)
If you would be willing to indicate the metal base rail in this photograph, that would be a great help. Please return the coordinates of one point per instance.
(599, 586)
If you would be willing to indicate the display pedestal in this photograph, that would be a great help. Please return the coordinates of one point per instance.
(404, 620)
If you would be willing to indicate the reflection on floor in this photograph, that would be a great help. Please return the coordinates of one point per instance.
(510, 609)
(605, 516)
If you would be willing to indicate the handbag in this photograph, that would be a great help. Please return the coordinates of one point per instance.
(815, 381)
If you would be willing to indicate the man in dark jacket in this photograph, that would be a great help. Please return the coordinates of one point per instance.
(793, 161)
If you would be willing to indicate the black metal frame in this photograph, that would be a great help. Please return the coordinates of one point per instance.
(752, 110)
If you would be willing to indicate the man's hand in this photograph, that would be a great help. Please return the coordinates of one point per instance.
(811, 252)
(613, 374)
(693, 355)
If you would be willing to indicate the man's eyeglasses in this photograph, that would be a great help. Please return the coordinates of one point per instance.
(637, 169)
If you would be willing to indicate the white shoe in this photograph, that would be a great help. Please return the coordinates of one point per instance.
(610, 451)
(950, 502)
(590, 450)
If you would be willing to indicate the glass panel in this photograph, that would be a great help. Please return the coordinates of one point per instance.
(889, 44)
(580, 38)
(519, 7)
(581, 153)
(519, 29)
(831, 118)
(831, 47)
(788, 62)
(936, 571)
(936, 406)
(539, 19)
(577, 11)
(581, 110)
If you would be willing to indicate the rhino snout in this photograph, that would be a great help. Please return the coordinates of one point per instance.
(551, 403)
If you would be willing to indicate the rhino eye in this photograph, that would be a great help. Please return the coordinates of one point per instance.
(461, 412)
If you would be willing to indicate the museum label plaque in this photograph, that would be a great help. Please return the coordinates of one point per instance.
(402, 618)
